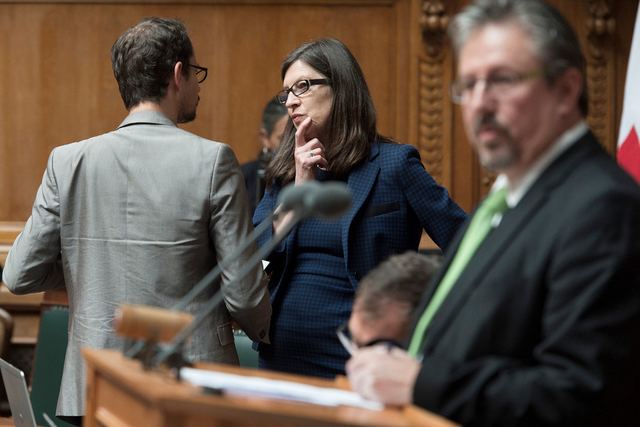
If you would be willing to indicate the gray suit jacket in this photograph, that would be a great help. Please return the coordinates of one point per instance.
(139, 215)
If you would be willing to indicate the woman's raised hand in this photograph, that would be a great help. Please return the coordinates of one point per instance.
(308, 154)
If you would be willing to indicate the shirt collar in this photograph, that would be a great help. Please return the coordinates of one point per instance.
(146, 117)
(516, 192)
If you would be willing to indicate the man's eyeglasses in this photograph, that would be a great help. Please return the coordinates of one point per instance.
(498, 84)
(298, 88)
(344, 335)
(201, 72)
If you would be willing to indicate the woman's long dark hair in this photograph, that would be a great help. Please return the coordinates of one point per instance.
(352, 121)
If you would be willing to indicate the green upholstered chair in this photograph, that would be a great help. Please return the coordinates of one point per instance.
(247, 355)
(48, 362)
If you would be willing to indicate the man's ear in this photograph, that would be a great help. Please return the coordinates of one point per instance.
(177, 77)
(569, 85)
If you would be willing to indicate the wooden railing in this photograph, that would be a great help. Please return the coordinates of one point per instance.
(9, 230)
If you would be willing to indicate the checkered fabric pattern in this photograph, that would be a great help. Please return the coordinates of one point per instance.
(394, 198)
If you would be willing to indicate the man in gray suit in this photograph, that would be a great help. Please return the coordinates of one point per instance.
(140, 214)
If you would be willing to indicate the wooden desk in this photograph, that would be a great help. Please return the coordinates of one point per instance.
(120, 393)
(25, 310)
(9, 230)
(4, 251)
(6, 421)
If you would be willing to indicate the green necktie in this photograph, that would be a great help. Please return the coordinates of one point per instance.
(480, 225)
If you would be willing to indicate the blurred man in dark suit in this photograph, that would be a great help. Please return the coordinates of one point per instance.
(534, 318)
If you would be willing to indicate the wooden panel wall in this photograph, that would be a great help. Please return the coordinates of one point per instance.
(56, 84)
(605, 29)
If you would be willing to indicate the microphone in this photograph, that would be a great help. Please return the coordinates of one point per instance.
(210, 277)
(292, 198)
(330, 200)
(149, 323)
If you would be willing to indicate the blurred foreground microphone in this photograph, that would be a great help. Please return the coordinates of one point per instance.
(143, 322)
(292, 197)
(149, 326)
(328, 200)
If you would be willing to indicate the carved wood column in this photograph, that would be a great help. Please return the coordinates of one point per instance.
(432, 102)
(599, 51)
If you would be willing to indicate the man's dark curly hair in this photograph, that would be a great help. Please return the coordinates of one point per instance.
(144, 56)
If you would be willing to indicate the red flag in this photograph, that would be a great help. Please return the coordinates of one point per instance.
(628, 143)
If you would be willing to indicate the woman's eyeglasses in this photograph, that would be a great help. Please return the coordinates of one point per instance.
(298, 88)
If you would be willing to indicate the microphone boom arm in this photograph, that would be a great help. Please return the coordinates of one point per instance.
(262, 253)
(212, 276)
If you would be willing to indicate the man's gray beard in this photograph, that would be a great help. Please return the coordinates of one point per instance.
(498, 165)
(502, 162)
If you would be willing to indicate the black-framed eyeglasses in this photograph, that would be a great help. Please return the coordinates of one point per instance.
(499, 84)
(201, 72)
(298, 88)
(345, 338)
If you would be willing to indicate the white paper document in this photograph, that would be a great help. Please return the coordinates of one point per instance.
(275, 389)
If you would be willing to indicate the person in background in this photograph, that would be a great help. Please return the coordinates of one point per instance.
(141, 214)
(274, 120)
(534, 318)
(385, 301)
(332, 135)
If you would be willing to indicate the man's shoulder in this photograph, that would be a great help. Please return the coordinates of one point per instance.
(172, 133)
(597, 170)
(174, 142)
(77, 146)
(183, 136)
(586, 177)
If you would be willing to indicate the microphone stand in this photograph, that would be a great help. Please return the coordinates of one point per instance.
(304, 200)
(172, 352)
(137, 350)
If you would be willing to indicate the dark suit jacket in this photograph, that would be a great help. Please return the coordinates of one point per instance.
(543, 326)
(250, 173)
(394, 198)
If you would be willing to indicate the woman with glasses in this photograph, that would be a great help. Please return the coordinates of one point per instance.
(331, 135)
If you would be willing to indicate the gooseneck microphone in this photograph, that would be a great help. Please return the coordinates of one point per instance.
(329, 200)
(211, 276)
(291, 198)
